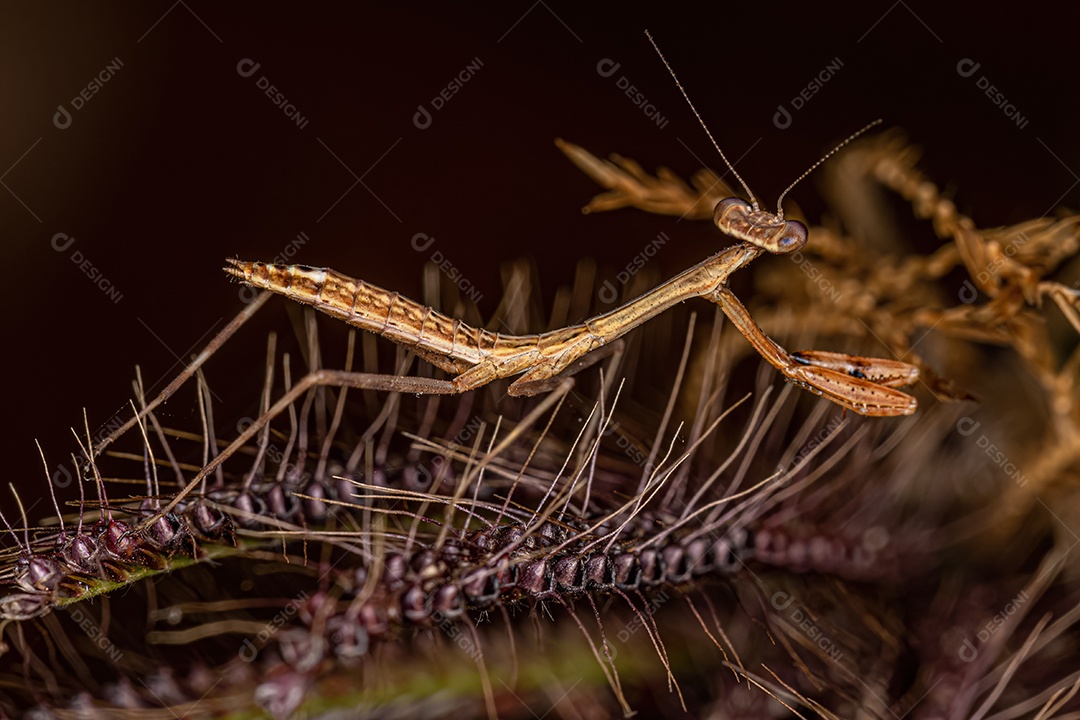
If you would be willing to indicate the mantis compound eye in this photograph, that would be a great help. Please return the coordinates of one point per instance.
(792, 239)
(728, 209)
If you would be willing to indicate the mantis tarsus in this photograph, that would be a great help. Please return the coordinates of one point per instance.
(477, 357)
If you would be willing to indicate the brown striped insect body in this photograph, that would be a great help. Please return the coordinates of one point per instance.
(477, 357)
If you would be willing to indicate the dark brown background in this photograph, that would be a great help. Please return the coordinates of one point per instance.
(179, 161)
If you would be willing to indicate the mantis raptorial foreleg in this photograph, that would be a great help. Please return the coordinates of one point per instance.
(863, 385)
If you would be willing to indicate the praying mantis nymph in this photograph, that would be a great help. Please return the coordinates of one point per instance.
(477, 356)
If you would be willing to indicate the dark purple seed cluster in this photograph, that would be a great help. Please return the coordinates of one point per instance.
(66, 565)
(69, 565)
(572, 574)
(505, 564)
(848, 558)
